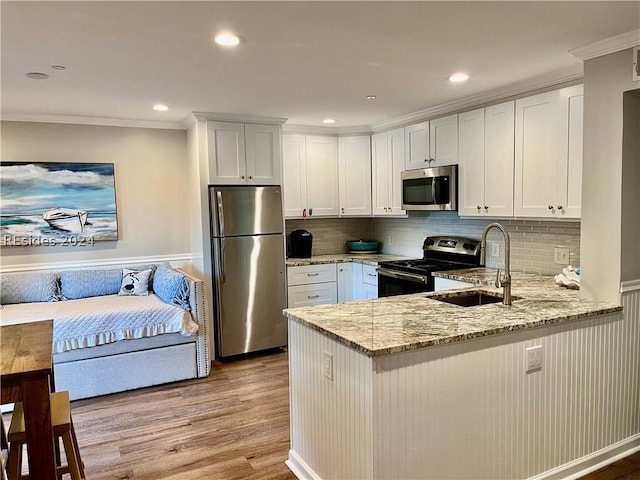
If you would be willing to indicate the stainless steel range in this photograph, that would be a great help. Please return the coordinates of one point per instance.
(440, 253)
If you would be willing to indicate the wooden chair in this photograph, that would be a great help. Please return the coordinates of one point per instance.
(62, 428)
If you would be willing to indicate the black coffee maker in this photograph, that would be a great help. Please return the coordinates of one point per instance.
(300, 244)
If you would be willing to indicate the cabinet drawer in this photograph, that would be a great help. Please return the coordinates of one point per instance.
(308, 274)
(316, 294)
(370, 275)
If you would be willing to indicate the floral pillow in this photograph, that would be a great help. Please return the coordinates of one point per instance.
(135, 282)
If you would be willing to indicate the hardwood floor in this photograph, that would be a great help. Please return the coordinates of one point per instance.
(233, 425)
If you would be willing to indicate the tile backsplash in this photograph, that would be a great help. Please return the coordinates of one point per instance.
(532, 241)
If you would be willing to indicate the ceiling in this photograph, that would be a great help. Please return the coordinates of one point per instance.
(304, 61)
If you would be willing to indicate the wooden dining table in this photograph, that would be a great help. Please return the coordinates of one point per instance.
(26, 363)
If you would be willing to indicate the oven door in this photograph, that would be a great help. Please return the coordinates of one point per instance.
(393, 282)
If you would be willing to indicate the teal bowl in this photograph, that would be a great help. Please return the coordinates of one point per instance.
(362, 245)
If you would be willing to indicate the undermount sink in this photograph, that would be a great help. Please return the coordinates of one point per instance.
(470, 298)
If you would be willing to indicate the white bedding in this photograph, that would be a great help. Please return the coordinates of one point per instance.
(89, 322)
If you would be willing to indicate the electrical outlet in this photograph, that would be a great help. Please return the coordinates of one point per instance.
(561, 256)
(327, 364)
(494, 249)
(534, 358)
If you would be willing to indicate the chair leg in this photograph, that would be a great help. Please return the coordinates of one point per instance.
(77, 449)
(72, 459)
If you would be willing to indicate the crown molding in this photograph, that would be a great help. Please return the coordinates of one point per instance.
(234, 117)
(492, 96)
(317, 130)
(607, 46)
(89, 120)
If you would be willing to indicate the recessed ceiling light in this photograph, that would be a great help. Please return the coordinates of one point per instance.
(37, 75)
(371, 97)
(160, 107)
(328, 120)
(58, 67)
(459, 77)
(227, 39)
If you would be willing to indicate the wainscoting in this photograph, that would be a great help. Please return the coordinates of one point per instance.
(469, 410)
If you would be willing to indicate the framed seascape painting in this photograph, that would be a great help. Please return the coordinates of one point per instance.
(57, 203)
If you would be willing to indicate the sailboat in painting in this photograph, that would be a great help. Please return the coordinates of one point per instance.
(66, 219)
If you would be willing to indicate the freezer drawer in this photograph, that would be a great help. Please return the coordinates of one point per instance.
(249, 293)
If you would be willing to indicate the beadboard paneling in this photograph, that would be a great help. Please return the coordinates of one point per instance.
(331, 420)
(469, 409)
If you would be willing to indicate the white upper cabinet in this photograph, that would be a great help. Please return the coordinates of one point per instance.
(416, 141)
(387, 153)
(354, 163)
(242, 154)
(548, 156)
(310, 176)
(485, 169)
(432, 144)
(443, 141)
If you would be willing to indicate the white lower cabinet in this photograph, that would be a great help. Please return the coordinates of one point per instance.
(365, 281)
(449, 284)
(346, 291)
(311, 285)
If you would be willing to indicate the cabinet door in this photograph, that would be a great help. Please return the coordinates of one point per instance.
(370, 292)
(295, 175)
(396, 153)
(263, 153)
(498, 159)
(416, 141)
(573, 200)
(322, 175)
(380, 171)
(354, 159)
(538, 169)
(225, 143)
(345, 282)
(471, 169)
(443, 141)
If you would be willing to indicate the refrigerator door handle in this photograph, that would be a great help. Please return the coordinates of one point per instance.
(220, 213)
(221, 259)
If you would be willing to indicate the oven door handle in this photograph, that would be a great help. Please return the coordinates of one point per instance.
(403, 276)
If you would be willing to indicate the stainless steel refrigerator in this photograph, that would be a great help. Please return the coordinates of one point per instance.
(248, 268)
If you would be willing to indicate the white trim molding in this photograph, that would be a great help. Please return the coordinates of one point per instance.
(89, 120)
(177, 260)
(607, 46)
(630, 286)
(240, 118)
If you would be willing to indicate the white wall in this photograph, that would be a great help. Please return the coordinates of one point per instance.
(151, 186)
(605, 80)
(630, 187)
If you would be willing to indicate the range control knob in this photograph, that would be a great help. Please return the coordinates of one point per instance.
(429, 241)
(468, 246)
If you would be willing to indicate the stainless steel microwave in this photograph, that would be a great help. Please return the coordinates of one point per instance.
(430, 188)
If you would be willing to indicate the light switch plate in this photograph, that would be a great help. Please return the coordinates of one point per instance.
(533, 358)
(327, 365)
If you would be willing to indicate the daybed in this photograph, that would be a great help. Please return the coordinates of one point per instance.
(105, 342)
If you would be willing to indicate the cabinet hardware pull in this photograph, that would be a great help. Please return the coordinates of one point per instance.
(427, 160)
(486, 207)
(250, 176)
(310, 211)
(550, 207)
(242, 176)
(479, 207)
(313, 296)
(559, 207)
(342, 209)
(372, 274)
(315, 274)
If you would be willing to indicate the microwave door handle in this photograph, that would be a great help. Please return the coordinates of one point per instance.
(403, 276)
(434, 190)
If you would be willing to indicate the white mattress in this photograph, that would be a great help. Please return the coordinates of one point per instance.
(89, 322)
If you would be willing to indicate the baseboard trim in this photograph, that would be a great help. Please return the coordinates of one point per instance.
(594, 461)
(299, 467)
(178, 259)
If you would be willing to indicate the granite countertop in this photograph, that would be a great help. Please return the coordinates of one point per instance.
(409, 322)
(365, 258)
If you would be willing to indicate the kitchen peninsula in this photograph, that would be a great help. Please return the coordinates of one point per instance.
(414, 387)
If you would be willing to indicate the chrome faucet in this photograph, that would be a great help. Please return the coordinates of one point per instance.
(505, 281)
